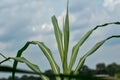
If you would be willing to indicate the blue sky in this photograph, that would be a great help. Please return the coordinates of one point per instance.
(27, 20)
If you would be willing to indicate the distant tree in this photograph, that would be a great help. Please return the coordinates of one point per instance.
(112, 69)
(10, 78)
(101, 68)
(24, 77)
(3, 79)
(50, 72)
(85, 70)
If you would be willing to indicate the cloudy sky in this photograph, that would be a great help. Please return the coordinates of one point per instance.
(27, 20)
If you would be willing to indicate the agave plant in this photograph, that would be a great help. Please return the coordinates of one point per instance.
(63, 46)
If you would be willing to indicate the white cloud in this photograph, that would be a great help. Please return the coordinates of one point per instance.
(47, 27)
(5, 45)
(33, 29)
(99, 17)
(111, 4)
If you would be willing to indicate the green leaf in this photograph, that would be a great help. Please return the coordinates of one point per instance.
(58, 36)
(19, 53)
(34, 67)
(7, 69)
(49, 56)
(66, 33)
(84, 38)
(3, 56)
(91, 51)
(66, 40)
(46, 52)
(76, 48)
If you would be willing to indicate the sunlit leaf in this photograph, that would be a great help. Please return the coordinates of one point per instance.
(46, 52)
(58, 35)
(82, 40)
(66, 41)
(91, 51)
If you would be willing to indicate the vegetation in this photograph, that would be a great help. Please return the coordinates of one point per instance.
(63, 46)
(84, 74)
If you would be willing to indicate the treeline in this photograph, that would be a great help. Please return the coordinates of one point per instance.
(101, 69)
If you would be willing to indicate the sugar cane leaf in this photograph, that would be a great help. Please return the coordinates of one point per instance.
(92, 50)
(58, 35)
(19, 53)
(49, 56)
(46, 52)
(66, 32)
(66, 39)
(83, 39)
(32, 66)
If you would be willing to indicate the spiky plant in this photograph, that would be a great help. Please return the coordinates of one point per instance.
(63, 45)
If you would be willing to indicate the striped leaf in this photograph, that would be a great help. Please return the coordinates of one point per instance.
(49, 56)
(33, 67)
(46, 52)
(58, 35)
(91, 51)
(66, 40)
(84, 38)
(19, 53)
